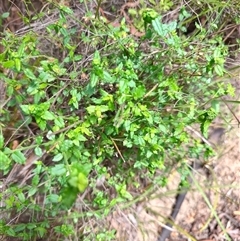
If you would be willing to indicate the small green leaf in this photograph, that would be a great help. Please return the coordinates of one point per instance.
(4, 161)
(77, 57)
(219, 69)
(149, 15)
(21, 197)
(149, 154)
(66, 9)
(127, 125)
(31, 226)
(42, 124)
(163, 29)
(18, 64)
(38, 151)
(8, 64)
(10, 232)
(32, 191)
(91, 109)
(216, 105)
(48, 115)
(52, 198)
(96, 59)
(5, 15)
(93, 80)
(58, 70)
(1, 141)
(25, 109)
(58, 170)
(59, 122)
(29, 73)
(81, 137)
(20, 227)
(162, 128)
(82, 182)
(107, 78)
(204, 127)
(50, 135)
(58, 157)
(18, 157)
(41, 231)
(35, 180)
(69, 196)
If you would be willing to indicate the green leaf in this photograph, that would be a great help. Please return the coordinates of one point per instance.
(163, 29)
(93, 80)
(32, 191)
(59, 122)
(216, 105)
(18, 64)
(82, 182)
(58, 170)
(48, 115)
(58, 157)
(46, 77)
(39, 140)
(104, 108)
(21, 49)
(10, 232)
(52, 198)
(20, 227)
(41, 231)
(69, 196)
(107, 78)
(149, 15)
(219, 69)
(89, 90)
(149, 154)
(77, 57)
(1, 141)
(66, 9)
(35, 180)
(4, 161)
(50, 135)
(91, 109)
(159, 27)
(81, 137)
(42, 124)
(18, 157)
(96, 59)
(8, 64)
(5, 15)
(162, 128)
(204, 127)
(25, 109)
(31, 226)
(29, 74)
(38, 151)
(139, 92)
(58, 70)
(127, 125)
(21, 197)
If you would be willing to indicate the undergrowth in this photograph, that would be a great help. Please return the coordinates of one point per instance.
(90, 127)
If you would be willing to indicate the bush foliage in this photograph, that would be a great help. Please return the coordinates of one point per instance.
(111, 111)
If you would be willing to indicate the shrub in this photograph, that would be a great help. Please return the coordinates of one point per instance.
(97, 125)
